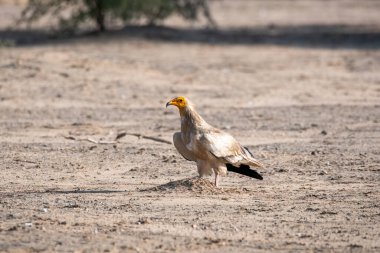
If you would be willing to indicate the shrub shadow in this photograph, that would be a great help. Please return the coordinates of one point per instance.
(313, 36)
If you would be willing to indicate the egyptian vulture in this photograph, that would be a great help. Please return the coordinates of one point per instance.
(212, 149)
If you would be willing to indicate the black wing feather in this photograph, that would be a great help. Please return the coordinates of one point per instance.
(244, 170)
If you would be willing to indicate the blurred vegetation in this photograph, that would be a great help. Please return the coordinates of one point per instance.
(72, 13)
(6, 43)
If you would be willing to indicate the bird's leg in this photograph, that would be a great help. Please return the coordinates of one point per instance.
(216, 179)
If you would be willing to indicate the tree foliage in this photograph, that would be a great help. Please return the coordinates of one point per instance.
(72, 13)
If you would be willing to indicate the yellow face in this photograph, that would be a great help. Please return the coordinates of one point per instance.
(180, 102)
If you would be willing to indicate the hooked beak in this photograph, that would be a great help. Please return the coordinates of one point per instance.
(168, 103)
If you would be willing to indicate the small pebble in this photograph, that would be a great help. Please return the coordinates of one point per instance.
(28, 224)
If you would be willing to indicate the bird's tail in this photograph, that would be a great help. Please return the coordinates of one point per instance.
(253, 162)
(250, 159)
(244, 170)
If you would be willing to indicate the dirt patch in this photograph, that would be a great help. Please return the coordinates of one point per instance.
(194, 185)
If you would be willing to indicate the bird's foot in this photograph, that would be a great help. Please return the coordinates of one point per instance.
(216, 180)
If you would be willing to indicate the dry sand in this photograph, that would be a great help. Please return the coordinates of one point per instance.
(300, 86)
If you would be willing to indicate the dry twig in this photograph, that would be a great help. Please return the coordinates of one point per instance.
(119, 136)
(157, 139)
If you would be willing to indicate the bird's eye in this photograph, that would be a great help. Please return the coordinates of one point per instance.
(180, 100)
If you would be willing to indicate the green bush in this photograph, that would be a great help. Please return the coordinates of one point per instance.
(100, 11)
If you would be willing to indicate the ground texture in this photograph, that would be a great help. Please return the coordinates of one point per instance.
(297, 82)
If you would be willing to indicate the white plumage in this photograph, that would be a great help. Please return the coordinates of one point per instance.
(212, 149)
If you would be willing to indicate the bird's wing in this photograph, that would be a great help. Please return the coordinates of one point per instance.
(180, 146)
(223, 146)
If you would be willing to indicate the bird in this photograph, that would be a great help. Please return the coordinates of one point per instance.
(213, 150)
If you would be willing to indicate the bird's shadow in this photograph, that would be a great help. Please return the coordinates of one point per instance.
(182, 184)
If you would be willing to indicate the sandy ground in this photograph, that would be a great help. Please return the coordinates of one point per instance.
(298, 85)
